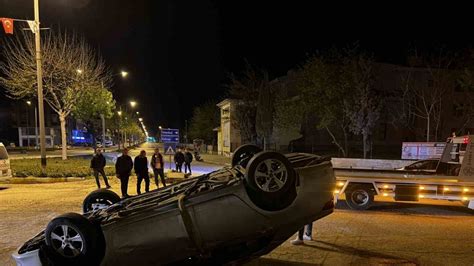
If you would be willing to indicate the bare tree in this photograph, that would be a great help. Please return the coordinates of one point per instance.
(424, 100)
(69, 66)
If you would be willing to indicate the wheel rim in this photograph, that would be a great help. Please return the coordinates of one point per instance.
(67, 241)
(271, 175)
(360, 197)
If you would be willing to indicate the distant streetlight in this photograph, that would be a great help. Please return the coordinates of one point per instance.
(79, 71)
(137, 113)
(160, 127)
(119, 113)
(124, 74)
(140, 119)
(133, 104)
(28, 102)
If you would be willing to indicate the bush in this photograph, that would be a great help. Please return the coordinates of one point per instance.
(74, 167)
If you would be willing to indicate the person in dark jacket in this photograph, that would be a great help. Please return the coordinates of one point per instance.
(141, 169)
(188, 158)
(123, 169)
(97, 165)
(179, 160)
(158, 167)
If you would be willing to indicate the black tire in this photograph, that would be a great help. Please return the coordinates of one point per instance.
(84, 243)
(270, 174)
(272, 203)
(103, 197)
(243, 154)
(359, 197)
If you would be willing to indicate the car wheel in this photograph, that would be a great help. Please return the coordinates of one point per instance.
(243, 154)
(272, 203)
(99, 199)
(359, 197)
(71, 239)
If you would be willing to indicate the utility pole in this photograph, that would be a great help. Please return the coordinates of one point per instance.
(39, 74)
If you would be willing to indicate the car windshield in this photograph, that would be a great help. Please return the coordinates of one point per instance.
(3, 153)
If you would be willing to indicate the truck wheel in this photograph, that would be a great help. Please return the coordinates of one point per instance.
(359, 197)
(243, 154)
(71, 239)
(99, 199)
(270, 174)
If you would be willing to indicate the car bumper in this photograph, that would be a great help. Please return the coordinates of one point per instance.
(30, 258)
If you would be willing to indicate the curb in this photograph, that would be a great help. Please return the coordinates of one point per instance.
(39, 180)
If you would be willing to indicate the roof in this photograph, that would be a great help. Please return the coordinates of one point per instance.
(225, 101)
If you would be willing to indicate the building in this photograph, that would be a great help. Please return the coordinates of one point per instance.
(452, 113)
(228, 134)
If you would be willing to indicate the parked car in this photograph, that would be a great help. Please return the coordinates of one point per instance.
(428, 165)
(4, 162)
(227, 216)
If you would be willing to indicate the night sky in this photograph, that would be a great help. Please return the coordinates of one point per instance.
(179, 53)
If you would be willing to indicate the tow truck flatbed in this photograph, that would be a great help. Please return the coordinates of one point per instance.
(361, 185)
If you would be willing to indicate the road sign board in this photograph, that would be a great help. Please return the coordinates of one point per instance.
(170, 135)
(170, 148)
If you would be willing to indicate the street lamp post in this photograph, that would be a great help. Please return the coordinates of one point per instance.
(39, 74)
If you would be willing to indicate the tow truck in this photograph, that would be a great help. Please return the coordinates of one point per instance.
(453, 179)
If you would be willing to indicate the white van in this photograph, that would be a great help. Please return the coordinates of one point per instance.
(4, 162)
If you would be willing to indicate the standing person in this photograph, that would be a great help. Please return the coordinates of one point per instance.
(97, 165)
(158, 167)
(179, 160)
(188, 158)
(123, 169)
(141, 169)
(304, 235)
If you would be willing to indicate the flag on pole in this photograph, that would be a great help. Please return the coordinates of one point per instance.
(7, 25)
(32, 25)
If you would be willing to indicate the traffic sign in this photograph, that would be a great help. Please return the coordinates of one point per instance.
(170, 135)
(170, 148)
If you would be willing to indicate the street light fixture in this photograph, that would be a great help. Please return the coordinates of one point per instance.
(124, 74)
(140, 119)
(28, 102)
(79, 71)
(119, 113)
(133, 104)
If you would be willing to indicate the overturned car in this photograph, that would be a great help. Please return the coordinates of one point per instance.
(228, 216)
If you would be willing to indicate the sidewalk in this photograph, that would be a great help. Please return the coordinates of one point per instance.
(216, 159)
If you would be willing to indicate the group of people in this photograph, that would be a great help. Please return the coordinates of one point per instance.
(124, 167)
(180, 158)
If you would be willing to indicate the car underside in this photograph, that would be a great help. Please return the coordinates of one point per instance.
(217, 218)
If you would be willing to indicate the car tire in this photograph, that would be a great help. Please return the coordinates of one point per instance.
(270, 174)
(99, 199)
(243, 154)
(359, 197)
(71, 239)
(267, 203)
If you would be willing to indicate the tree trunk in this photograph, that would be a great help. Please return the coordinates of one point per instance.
(428, 129)
(346, 142)
(365, 144)
(334, 140)
(62, 119)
